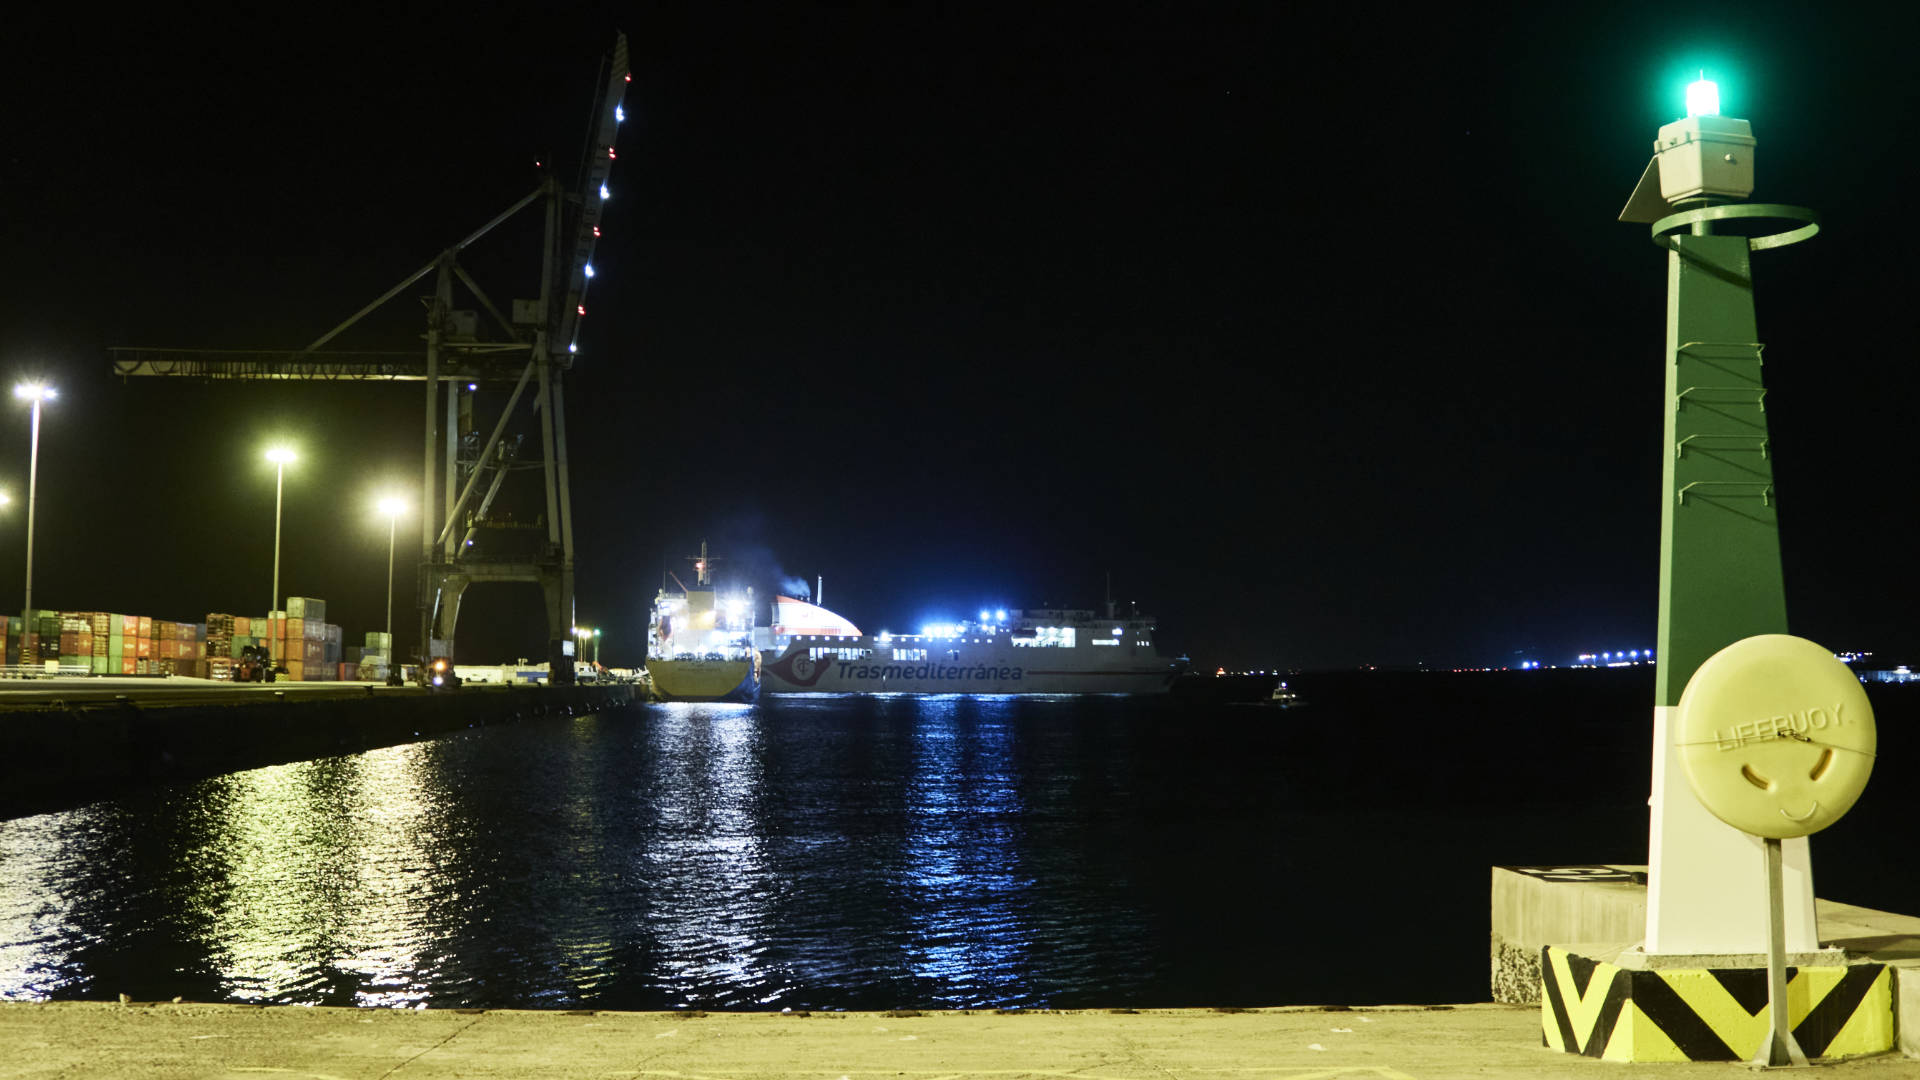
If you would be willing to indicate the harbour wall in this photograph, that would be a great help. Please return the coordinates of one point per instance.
(59, 753)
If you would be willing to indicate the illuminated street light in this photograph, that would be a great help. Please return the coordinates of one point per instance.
(36, 393)
(393, 508)
(279, 455)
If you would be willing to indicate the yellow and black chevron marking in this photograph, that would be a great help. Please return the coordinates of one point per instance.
(1600, 1010)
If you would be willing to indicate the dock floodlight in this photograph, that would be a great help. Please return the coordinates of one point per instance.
(34, 392)
(280, 455)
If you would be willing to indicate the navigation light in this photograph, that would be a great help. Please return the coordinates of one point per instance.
(1703, 97)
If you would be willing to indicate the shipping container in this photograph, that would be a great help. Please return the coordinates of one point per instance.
(128, 665)
(306, 607)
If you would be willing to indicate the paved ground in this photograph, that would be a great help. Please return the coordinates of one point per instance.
(230, 1042)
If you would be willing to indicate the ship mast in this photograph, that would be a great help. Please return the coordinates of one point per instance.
(702, 566)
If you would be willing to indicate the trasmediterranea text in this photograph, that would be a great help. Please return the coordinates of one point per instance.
(981, 672)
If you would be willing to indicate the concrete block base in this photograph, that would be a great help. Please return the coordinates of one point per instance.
(1593, 1007)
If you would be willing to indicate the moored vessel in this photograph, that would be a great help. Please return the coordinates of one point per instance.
(808, 649)
(700, 643)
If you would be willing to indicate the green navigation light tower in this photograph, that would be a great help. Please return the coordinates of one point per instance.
(1720, 578)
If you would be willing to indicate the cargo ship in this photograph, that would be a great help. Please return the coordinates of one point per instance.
(700, 644)
(808, 649)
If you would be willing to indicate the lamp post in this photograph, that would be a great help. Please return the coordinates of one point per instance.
(393, 508)
(596, 646)
(36, 393)
(279, 455)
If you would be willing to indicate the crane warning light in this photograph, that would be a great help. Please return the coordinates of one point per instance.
(604, 193)
(583, 309)
(610, 153)
(596, 231)
(619, 114)
(1703, 97)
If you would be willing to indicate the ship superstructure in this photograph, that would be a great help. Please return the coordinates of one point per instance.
(1033, 651)
(700, 640)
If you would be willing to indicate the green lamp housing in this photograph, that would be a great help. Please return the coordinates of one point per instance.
(1705, 156)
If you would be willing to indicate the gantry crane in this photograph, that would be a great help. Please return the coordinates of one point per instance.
(536, 346)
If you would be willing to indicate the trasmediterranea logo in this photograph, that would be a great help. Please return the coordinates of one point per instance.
(797, 668)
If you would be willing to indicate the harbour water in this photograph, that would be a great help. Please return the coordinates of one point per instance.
(873, 852)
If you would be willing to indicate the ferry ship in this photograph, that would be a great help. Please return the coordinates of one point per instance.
(700, 647)
(809, 649)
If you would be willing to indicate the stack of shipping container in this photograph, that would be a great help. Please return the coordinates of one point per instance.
(308, 646)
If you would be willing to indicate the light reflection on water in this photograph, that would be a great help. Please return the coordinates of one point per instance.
(965, 887)
(820, 852)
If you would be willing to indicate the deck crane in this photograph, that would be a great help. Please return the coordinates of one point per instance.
(537, 345)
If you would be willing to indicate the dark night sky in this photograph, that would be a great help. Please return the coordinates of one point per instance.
(1316, 331)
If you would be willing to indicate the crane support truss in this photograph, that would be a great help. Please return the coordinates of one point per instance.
(539, 351)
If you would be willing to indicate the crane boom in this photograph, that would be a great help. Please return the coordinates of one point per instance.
(598, 166)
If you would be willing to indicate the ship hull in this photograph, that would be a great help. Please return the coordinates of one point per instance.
(965, 671)
(705, 680)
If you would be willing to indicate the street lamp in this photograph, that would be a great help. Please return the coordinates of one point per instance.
(279, 455)
(393, 508)
(36, 393)
(596, 646)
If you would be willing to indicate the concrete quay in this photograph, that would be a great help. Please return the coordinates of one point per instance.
(68, 742)
(230, 1042)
